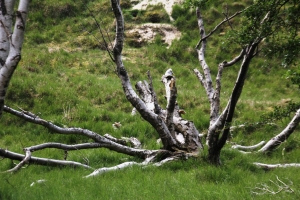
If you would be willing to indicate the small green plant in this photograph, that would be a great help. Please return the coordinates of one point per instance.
(280, 112)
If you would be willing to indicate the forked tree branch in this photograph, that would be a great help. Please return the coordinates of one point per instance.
(186, 134)
(22, 163)
(157, 123)
(237, 90)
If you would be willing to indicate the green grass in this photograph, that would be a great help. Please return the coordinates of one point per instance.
(65, 76)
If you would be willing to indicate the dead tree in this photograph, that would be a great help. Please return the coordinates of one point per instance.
(220, 121)
(180, 138)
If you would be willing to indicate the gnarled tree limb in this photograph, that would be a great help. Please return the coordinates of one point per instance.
(102, 141)
(157, 123)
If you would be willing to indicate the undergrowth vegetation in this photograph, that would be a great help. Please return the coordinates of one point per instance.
(66, 76)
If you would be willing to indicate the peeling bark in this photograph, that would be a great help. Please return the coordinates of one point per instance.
(220, 123)
(148, 108)
(6, 21)
(130, 94)
(183, 131)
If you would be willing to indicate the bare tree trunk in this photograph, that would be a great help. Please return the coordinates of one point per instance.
(167, 140)
(11, 53)
(219, 127)
(162, 122)
(6, 20)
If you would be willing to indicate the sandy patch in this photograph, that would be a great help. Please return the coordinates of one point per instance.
(148, 31)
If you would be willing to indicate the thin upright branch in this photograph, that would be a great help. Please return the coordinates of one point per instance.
(157, 108)
(226, 16)
(216, 27)
(237, 90)
(171, 92)
(102, 35)
(201, 57)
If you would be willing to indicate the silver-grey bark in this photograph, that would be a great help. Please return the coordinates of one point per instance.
(11, 42)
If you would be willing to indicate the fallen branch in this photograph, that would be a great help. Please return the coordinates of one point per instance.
(41, 161)
(284, 135)
(100, 140)
(38, 182)
(273, 166)
(248, 148)
(134, 142)
(279, 185)
(22, 163)
(108, 169)
(146, 162)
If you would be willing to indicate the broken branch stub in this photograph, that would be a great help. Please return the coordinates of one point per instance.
(182, 131)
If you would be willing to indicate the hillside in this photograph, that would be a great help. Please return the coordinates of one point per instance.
(67, 77)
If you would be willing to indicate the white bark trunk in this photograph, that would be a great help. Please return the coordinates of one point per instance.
(6, 20)
(15, 43)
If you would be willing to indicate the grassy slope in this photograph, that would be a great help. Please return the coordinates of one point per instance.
(75, 85)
